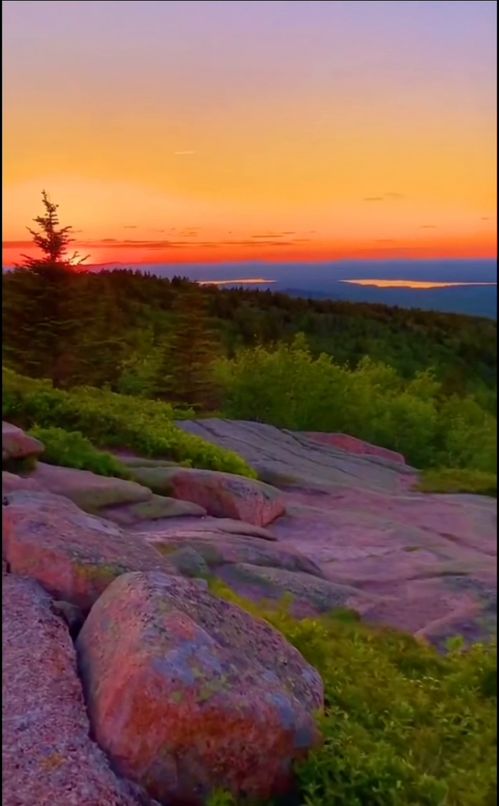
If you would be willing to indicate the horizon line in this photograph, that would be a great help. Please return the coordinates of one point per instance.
(121, 265)
(265, 262)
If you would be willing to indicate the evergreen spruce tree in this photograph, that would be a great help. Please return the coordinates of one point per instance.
(185, 372)
(102, 344)
(40, 318)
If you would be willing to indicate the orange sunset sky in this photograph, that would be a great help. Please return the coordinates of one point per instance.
(180, 132)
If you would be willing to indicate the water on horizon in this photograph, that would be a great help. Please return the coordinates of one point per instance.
(468, 286)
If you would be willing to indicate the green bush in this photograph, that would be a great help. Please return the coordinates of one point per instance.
(402, 724)
(72, 449)
(468, 435)
(458, 480)
(112, 420)
(289, 388)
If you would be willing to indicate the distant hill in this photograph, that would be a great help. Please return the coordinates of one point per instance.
(327, 280)
(468, 300)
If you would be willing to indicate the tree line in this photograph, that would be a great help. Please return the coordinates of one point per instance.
(147, 335)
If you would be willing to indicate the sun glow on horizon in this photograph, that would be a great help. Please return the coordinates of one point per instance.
(243, 281)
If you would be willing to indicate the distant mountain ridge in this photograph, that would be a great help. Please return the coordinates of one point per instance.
(460, 300)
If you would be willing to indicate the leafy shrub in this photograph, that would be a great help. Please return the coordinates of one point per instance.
(402, 724)
(110, 419)
(288, 387)
(458, 480)
(72, 449)
(468, 435)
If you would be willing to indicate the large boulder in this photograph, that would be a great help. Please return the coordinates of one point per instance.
(72, 554)
(18, 445)
(223, 495)
(189, 694)
(48, 757)
(88, 490)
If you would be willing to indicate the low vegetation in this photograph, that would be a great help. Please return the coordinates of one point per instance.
(458, 480)
(288, 387)
(72, 449)
(402, 723)
(112, 420)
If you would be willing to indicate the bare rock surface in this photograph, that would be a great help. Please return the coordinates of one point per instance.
(223, 495)
(16, 444)
(222, 548)
(430, 560)
(221, 526)
(356, 446)
(188, 694)
(88, 490)
(70, 553)
(48, 757)
(256, 568)
(12, 482)
(309, 594)
(189, 562)
(154, 509)
(289, 458)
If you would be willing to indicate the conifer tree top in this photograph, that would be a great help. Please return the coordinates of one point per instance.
(52, 239)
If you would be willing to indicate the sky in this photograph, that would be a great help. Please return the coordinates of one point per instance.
(181, 132)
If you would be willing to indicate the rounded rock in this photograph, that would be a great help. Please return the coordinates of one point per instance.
(189, 694)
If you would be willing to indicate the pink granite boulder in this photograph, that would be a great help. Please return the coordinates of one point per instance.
(48, 757)
(72, 554)
(223, 495)
(189, 694)
(356, 446)
(18, 445)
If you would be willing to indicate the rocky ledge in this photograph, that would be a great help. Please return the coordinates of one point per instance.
(423, 563)
(167, 693)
